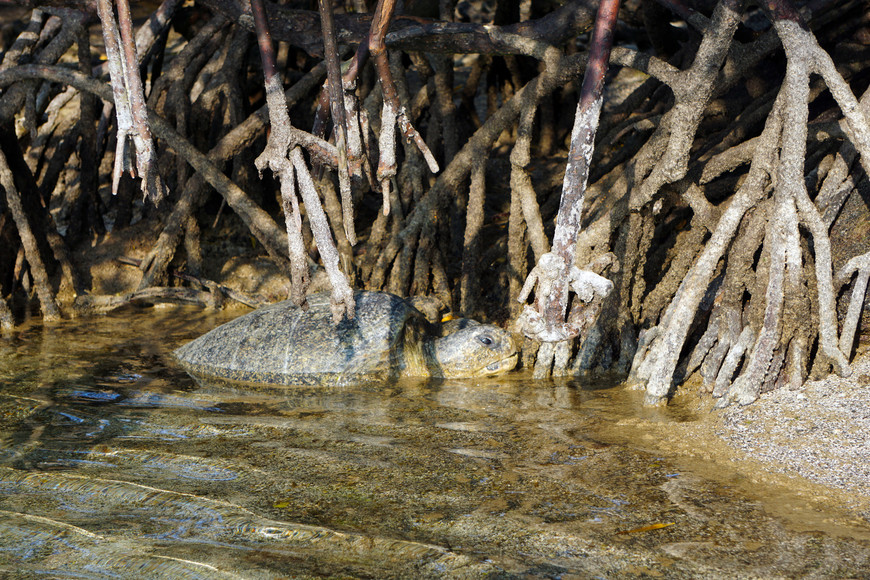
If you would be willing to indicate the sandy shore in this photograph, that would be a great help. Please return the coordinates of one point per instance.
(820, 433)
(801, 453)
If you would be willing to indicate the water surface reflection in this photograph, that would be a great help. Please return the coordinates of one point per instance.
(114, 461)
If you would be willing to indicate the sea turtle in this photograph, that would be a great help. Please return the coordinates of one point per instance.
(387, 338)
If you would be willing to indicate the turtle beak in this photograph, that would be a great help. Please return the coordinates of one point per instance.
(503, 366)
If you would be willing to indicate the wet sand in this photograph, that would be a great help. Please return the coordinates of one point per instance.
(802, 453)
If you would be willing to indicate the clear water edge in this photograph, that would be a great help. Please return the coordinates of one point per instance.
(113, 457)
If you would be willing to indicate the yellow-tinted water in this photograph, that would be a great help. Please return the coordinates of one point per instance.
(115, 462)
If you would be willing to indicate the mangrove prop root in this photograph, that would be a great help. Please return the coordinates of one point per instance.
(336, 102)
(723, 205)
(285, 160)
(555, 272)
(99, 304)
(129, 101)
(471, 246)
(50, 309)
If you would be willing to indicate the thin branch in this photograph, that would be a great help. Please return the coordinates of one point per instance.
(377, 48)
(469, 282)
(339, 122)
(692, 96)
(302, 28)
(285, 160)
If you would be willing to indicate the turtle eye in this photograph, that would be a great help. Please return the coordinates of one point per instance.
(485, 339)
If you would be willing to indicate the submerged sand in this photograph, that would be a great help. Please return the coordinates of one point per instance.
(820, 433)
(801, 453)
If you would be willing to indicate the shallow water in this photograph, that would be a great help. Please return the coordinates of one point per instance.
(114, 463)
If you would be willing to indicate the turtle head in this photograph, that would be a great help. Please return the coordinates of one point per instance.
(474, 351)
